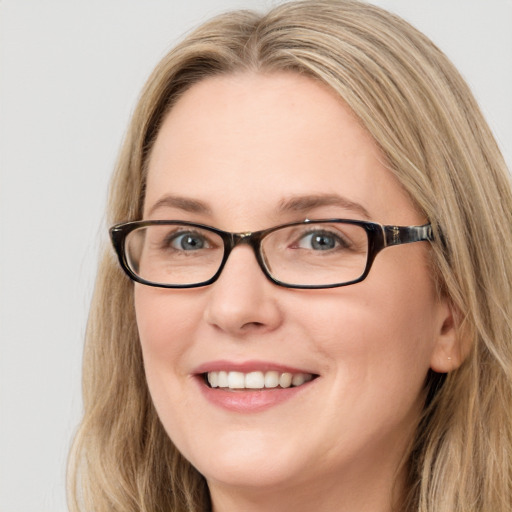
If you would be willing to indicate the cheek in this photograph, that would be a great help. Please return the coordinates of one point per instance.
(164, 331)
(165, 319)
(378, 335)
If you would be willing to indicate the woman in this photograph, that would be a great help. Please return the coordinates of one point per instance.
(318, 223)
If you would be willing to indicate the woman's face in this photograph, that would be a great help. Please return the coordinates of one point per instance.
(243, 153)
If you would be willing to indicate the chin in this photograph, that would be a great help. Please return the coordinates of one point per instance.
(246, 460)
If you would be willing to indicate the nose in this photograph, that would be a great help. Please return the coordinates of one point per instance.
(243, 300)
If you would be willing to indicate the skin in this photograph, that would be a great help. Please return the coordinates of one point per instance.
(241, 145)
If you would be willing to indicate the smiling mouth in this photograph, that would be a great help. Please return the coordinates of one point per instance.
(256, 380)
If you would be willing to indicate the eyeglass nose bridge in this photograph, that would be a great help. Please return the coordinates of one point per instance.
(251, 238)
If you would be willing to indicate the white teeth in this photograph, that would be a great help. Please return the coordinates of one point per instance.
(213, 379)
(236, 380)
(256, 380)
(298, 379)
(285, 381)
(271, 379)
(223, 379)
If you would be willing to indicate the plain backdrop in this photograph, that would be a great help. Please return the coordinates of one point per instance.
(70, 74)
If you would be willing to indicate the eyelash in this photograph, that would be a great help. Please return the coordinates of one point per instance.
(339, 241)
(171, 239)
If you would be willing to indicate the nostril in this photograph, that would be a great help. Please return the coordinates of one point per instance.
(250, 325)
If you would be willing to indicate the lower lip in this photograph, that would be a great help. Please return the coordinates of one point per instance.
(247, 401)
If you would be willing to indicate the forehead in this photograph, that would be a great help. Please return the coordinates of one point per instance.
(246, 142)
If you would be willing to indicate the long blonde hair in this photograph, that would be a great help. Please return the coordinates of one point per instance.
(424, 118)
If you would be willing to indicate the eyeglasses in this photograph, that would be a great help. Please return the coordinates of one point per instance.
(325, 253)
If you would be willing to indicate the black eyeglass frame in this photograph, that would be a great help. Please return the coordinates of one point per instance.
(379, 237)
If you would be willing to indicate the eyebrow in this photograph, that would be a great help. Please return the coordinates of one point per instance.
(310, 202)
(298, 204)
(182, 203)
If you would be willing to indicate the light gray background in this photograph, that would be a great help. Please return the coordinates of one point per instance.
(70, 75)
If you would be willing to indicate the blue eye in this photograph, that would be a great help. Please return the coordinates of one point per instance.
(319, 241)
(188, 242)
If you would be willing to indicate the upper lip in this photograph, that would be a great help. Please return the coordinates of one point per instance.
(247, 366)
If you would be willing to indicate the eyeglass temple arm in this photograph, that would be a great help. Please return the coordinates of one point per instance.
(396, 235)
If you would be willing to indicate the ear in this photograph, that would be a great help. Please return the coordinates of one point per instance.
(450, 348)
